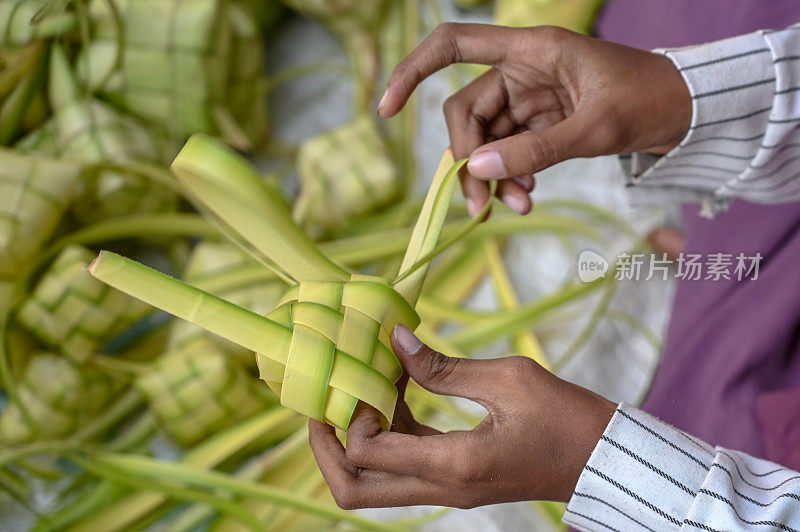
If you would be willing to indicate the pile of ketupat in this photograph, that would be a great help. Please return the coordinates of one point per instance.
(126, 418)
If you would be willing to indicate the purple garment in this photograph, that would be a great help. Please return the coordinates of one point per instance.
(730, 369)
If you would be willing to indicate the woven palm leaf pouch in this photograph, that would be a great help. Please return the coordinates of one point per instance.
(326, 345)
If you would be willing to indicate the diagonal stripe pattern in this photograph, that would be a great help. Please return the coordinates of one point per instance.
(34, 193)
(339, 350)
(58, 397)
(75, 313)
(347, 168)
(196, 390)
(326, 346)
(188, 65)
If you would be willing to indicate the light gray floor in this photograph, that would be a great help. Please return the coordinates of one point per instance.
(616, 361)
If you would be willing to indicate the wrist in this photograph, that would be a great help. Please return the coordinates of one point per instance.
(674, 106)
(583, 433)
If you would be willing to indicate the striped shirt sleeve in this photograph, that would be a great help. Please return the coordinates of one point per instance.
(647, 475)
(744, 139)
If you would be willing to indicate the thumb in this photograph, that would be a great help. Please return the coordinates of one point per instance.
(530, 151)
(438, 373)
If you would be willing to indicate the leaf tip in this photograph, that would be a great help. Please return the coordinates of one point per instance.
(91, 267)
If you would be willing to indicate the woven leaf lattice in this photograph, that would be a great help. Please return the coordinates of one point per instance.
(88, 130)
(342, 328)
(326, 346)
(57, 396)
(75, 313)
(348, 169)
(34, 193)
(195, 391)
(182, 64)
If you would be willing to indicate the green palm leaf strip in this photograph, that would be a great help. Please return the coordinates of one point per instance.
(161, 476)
(326, 345)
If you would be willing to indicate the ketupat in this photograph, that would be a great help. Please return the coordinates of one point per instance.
(327, 345)
(122, 519)
(196, 390)
(347, 168)
(73, 312)
(18, 29)
(59, 398)
(187, 66)
(88, 130)
(22, 72)
(35, 191)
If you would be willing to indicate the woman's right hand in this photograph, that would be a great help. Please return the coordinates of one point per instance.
(550, 95)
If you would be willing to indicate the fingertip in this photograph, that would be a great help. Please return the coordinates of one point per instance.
(384, 112)
(385, 105)
(514, 195)
(382, 103)
(476, 193)
(364, 422)
(405, 342)
(318, 427)
(520, 204)
(473, 208)
(486, 165)
(477, 210)
(527, 182)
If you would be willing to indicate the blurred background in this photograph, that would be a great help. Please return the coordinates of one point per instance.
(97, 96)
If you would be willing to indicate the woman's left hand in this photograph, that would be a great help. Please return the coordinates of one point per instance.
(532, 445)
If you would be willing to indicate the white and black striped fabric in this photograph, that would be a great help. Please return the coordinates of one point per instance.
(744, 140)
(647, 475)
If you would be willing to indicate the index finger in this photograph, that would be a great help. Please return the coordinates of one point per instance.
(449, 43)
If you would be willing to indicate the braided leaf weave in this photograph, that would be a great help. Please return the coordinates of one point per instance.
(344, 328)
(347, 168)
(326, 346)
(57, 396)
(16, 28)
(75, 313)
(196, 390)
(181, 64)
(34, 193)
(88, 130)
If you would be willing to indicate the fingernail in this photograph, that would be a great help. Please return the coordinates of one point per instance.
(525, 181)
(488, 165)
(410, 343)
(472, 208)
(383, 99)
(515, 203)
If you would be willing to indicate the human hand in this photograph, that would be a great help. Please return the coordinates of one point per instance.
(551, 95)
(532, 445)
